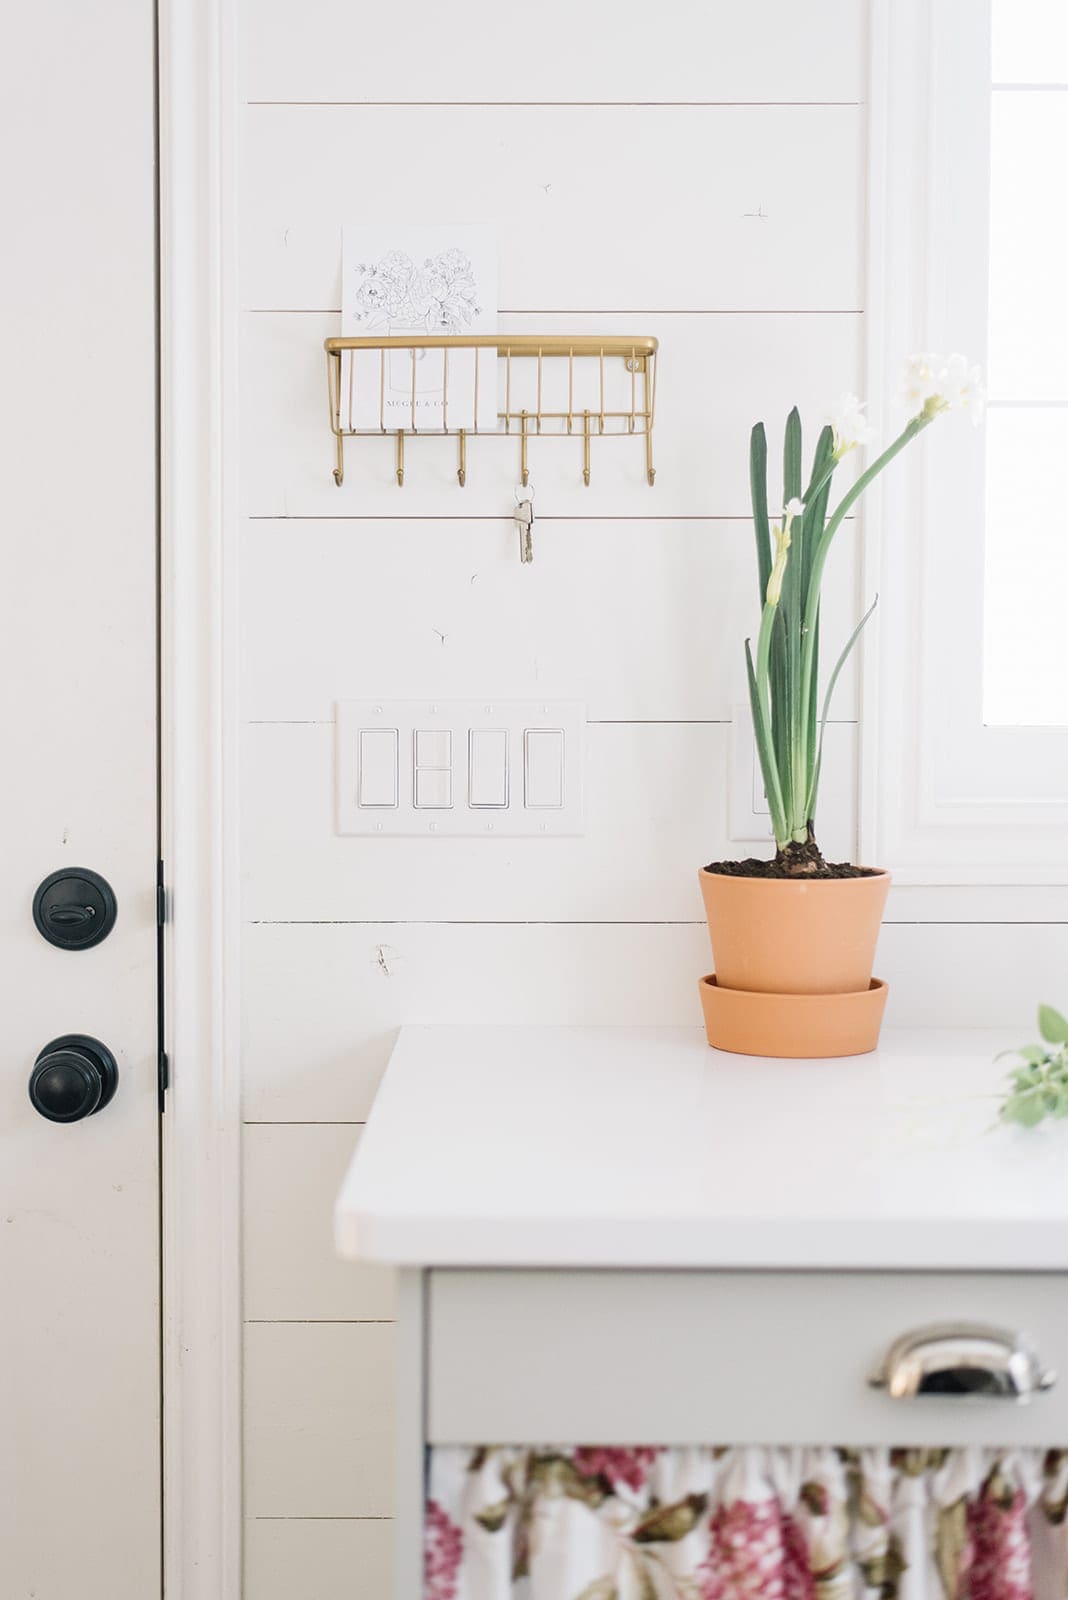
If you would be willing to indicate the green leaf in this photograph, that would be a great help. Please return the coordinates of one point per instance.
(758, 490)
(816, 497)
(791, 761)
(765, 750)
(1027, 1109)
(823, 465)
(791, 458)
(778, 696)
(668, 1524)
(1052, 1026)
(493, 1518)
(811, 732)
(839, 664)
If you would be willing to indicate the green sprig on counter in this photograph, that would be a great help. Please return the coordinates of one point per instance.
(1039, 1085)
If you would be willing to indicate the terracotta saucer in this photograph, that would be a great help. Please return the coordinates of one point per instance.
(793, 1025)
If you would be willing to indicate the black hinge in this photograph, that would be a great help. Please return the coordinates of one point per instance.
(163, 1066)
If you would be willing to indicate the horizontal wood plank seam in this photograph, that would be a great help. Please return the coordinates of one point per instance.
(591, 722)
(619, 922)
(595, 311)
(556, 105)
(249, 1517)
(491, 516)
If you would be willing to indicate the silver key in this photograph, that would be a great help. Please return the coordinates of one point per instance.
(524, 521)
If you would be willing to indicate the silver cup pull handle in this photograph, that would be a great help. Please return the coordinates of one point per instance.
(967, 1359)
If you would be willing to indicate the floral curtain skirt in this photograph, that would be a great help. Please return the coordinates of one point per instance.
(734, 1524)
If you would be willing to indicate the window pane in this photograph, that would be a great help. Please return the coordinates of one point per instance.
(1030, 41)
(1025, 657)
(1028, 349)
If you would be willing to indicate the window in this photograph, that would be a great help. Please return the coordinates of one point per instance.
(1025, 662)
(965, 776)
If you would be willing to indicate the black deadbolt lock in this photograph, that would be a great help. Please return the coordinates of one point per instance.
(75, 908)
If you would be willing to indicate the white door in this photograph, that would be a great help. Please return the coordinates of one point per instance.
(79, 1200)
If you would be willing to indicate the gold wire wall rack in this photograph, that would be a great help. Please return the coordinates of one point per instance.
(580, 386)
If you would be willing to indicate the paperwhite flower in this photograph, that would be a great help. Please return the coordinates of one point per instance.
(794, 508)
(920, 382)
(936, 383)
(783, 540)
(962, 387)
(851, 427)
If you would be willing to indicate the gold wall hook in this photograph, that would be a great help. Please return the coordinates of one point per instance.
(650, 403)
(595, 392)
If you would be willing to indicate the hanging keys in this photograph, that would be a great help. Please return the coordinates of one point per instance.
(524, 521)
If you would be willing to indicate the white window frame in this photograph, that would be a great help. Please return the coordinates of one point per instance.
(944, 799)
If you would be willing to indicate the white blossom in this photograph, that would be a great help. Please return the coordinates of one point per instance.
(962, 387)
(793, 508)
(783, 540)
(851, 427)
(920, 382)
(936, 383)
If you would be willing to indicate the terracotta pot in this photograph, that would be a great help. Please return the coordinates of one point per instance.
(800, 1025)
(781, 936)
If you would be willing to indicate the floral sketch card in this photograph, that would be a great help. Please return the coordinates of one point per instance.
(405, 280)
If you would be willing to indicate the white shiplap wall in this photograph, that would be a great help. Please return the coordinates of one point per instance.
(693, 170)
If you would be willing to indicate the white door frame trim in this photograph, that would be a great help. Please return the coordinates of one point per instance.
(201, 1124)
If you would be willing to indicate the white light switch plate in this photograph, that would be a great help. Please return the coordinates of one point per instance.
(495, 769)
(750, 818)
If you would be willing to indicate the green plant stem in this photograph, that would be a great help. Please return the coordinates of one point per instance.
(769, 764)
(808, 647)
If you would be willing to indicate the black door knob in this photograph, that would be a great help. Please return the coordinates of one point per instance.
(73, 1077)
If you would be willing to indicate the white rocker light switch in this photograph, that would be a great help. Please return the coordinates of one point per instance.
(433, 790)
(377, 786)
(543, 768)
(442, 768)
(487, 767)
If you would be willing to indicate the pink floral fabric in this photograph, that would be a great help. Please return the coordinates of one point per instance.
(593, 1522)
(444, 1552)
(629, 1467)
(756, 1552)
(999, 1557)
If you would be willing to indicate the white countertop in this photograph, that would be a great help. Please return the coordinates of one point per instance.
(641, 1147)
